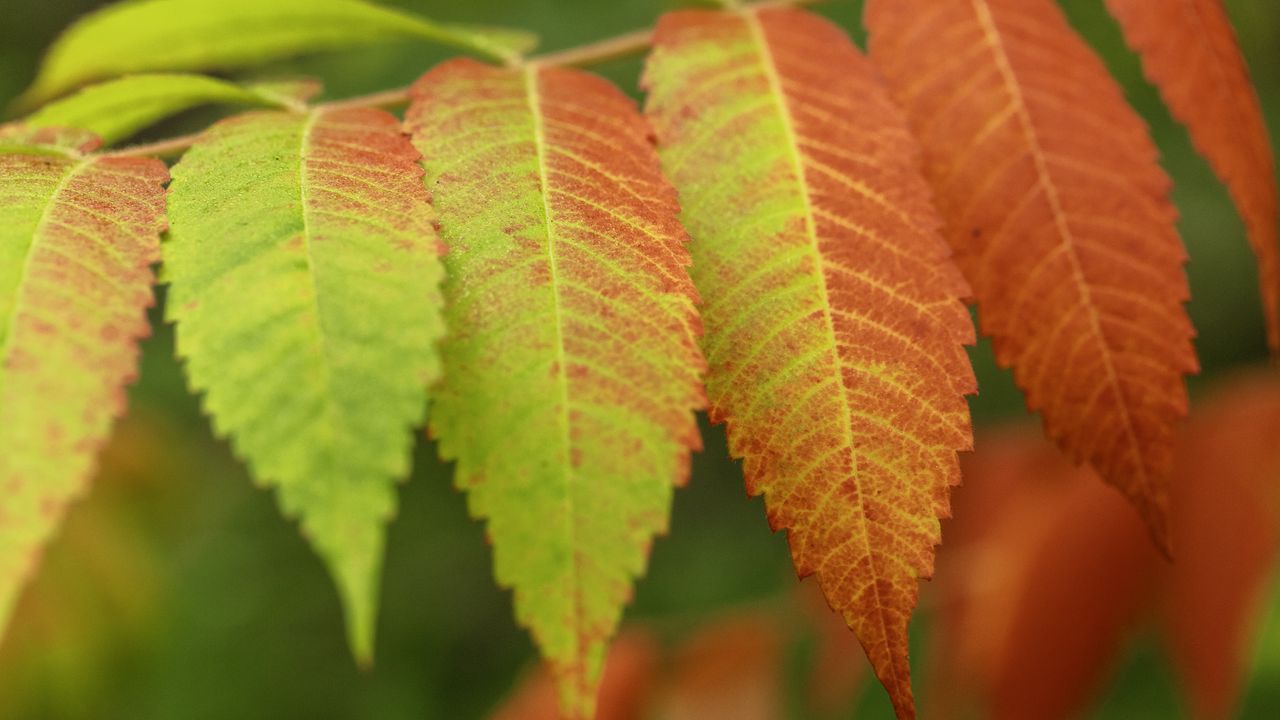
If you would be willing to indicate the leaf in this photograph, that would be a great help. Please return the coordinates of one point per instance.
(1227, 511)
(303, 278)
(840, 670)
(730, 669)
(151, 35)
(78, 234)
(1060, 218)
(1043, 573)
(22, 139)
(1039, 644)
(117, 109)
(572, 369)
(834, 330)
(630, 674)
(1189, 51)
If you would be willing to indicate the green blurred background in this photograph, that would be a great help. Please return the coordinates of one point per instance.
(177, 591)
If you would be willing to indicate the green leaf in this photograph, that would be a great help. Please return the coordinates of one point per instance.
(572, 366)
(117, 109)
(78, 235)
(163, 35)
(303, 273)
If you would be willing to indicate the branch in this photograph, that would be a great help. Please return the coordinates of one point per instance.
(613, 48)
(600, 51)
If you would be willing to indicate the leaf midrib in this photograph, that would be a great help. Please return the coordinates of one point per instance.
(41, 227)
(991, 36)
(534, 100)
(330, 423)
(770, 69)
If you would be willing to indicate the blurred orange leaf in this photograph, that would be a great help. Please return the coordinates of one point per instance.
(732, 669)
(1045, 572)
(629, 674)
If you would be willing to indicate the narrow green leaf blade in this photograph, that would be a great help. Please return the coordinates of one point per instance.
(117, 109)
(572, 368)
(78, 235)
(303, 273)
(167, 35)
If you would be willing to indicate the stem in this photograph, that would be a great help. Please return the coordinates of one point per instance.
(162, 148)
(612, 48)
(386, 99)
(599, 51)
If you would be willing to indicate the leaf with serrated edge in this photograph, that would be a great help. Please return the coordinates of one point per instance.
(1189, 51)
(303, 277)
(835, 332)
(161, 35)
(116, 109)
(1061, 221)
(78, 235)
(572, 366)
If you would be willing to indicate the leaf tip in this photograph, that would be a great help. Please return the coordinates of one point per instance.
(358, 593)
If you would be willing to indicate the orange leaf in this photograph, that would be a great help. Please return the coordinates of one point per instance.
(1189, 51)
(834, 328)
(732, 669)
(630, 673)
(1060, 218)
(1227, 512)
(1038, 593)
(1044, 572)
(840, 667)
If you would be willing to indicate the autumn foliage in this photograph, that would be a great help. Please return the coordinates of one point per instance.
(554, 280)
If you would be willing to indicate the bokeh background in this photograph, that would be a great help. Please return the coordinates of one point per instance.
(176, 590)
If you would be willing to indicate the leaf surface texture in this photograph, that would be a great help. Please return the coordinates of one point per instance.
(1189, 50)
(835, 331)
(573, 367)
(1060, 218)
(78, 235)
(303, 277)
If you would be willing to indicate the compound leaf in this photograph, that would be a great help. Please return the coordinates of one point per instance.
(303, 274)
(155, 35)
(78, 234)
(572, 368)
(1189, 50)
(1060, 218)
(835, 332)
(118, 108)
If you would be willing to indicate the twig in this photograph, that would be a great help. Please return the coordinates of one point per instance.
(386, 99)
(161, 148)
(599, 51)
(595, 52)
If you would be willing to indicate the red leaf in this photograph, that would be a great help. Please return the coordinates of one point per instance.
(1189, 51)
(1227, 513)
(1044, 572)
(1037, 593)
(630, 673)
(732, 669)
(1060, 217)
(834, 328)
